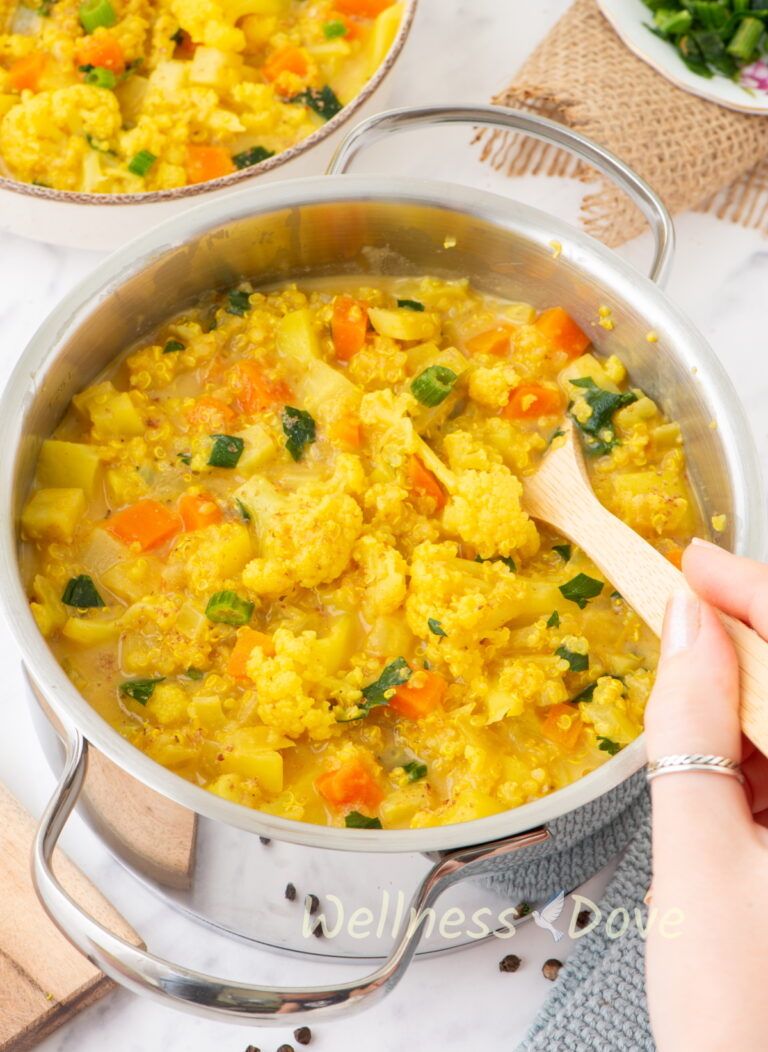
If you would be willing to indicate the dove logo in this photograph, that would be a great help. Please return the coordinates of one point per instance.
(549, 913)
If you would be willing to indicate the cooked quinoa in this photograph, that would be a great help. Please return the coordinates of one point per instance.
(281, 547)
(128, 96)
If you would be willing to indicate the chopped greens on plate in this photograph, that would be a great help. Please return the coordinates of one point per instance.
(712, 36)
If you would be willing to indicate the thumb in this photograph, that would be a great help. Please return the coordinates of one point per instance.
(694, 709)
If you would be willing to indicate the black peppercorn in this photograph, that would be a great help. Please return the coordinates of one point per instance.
(290, 892)
(265, 840)
(583, 919)
(303, 1035)
(551, 969)
(317, 931)
(285, 1048)
(312, 904)
(510, 963)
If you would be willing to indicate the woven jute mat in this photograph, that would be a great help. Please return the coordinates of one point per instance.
(694, 153)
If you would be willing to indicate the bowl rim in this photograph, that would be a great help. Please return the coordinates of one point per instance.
(579, 250)
(244, 175)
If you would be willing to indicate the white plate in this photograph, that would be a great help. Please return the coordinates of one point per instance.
(631, 17)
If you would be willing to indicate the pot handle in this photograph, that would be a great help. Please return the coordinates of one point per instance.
(143, 972)
(608, 164)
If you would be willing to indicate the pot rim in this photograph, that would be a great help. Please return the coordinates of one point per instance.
(578, 249)
(74, 197)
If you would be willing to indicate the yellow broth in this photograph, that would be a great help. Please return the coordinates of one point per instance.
(348, 617)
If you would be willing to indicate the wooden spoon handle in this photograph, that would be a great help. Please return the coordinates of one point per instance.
(646, 580)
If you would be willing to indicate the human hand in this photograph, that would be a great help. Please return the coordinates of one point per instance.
(706, 987)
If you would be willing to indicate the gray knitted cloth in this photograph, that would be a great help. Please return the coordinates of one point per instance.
(598, 1002)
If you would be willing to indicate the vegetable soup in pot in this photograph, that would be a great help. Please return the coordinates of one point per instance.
(281, 546)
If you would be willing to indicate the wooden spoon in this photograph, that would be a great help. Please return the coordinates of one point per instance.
(560, 494)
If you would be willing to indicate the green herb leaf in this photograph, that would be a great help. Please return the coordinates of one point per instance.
(140, 690)
(577, 662)
(141, 162)
(334, 29)
(508, 561)
(226, 451)
(194, 673)
(585, 695)
(607, 745)
(598, 430)
(355, 820)
(185, 458)
(564, 551)
(410, 305)
(227, 608)
(255, 155)
(81, 593)
(433, 385)
(435, 627)
(323, 101)
(415, 770)
(393, 675)
(553, 620)
(172, 346)
(299, 429)
(238, 302)
(580, 589)
(245, 514)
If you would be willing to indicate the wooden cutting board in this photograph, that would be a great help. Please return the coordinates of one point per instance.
(44, 980)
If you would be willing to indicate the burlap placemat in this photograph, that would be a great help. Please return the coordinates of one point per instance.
(694, 153)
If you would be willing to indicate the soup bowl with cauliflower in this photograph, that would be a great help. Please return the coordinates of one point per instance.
(268, 551)
(115, 114)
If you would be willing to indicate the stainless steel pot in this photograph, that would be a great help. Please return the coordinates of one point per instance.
(376, 225)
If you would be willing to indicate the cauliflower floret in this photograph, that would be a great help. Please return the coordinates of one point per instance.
(471, 600)
(292, 686)
(43, 138)
(490, 385)
(520, 683)
(306, 537)
(211, 23)
(465, 452)
(610, 713)
(384, 572)
(212, 556)
(485, 511)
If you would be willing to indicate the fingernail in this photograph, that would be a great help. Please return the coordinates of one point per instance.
(681, 622)
(701, 543)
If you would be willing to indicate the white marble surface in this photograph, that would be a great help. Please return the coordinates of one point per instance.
(461, 51)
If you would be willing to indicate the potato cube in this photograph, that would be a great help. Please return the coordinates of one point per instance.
(118, 417)
(68, 464)
(259, 449)
(214, 68)
(53, 514)
(266, 766)
(382, 36)
(91, 632)
(132, 579)
(297, 337)
(403, 324)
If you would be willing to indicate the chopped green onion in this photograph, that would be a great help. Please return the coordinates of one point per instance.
(194, 673)
(433, 386)
(435, 627)
(670, 22)
(553, 620)
(580, 589)
(299, 429)
(607, 745)
(245, 514)
(238, 302)
(172, 346)
(563, 550)
(415, 770)
(508, 561)
(743, 45)
(81, 593)
(323, 101)
(140, 690)
(577, 662)
(227, 608)
(185, 458)
(95, 144)
(226, 451)
(355, 820)
(410, 305)
(393, 675)
(141, 162)
(100, 77)
(255, 155)
(95, 13)
(334, 29)
(600, 436)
